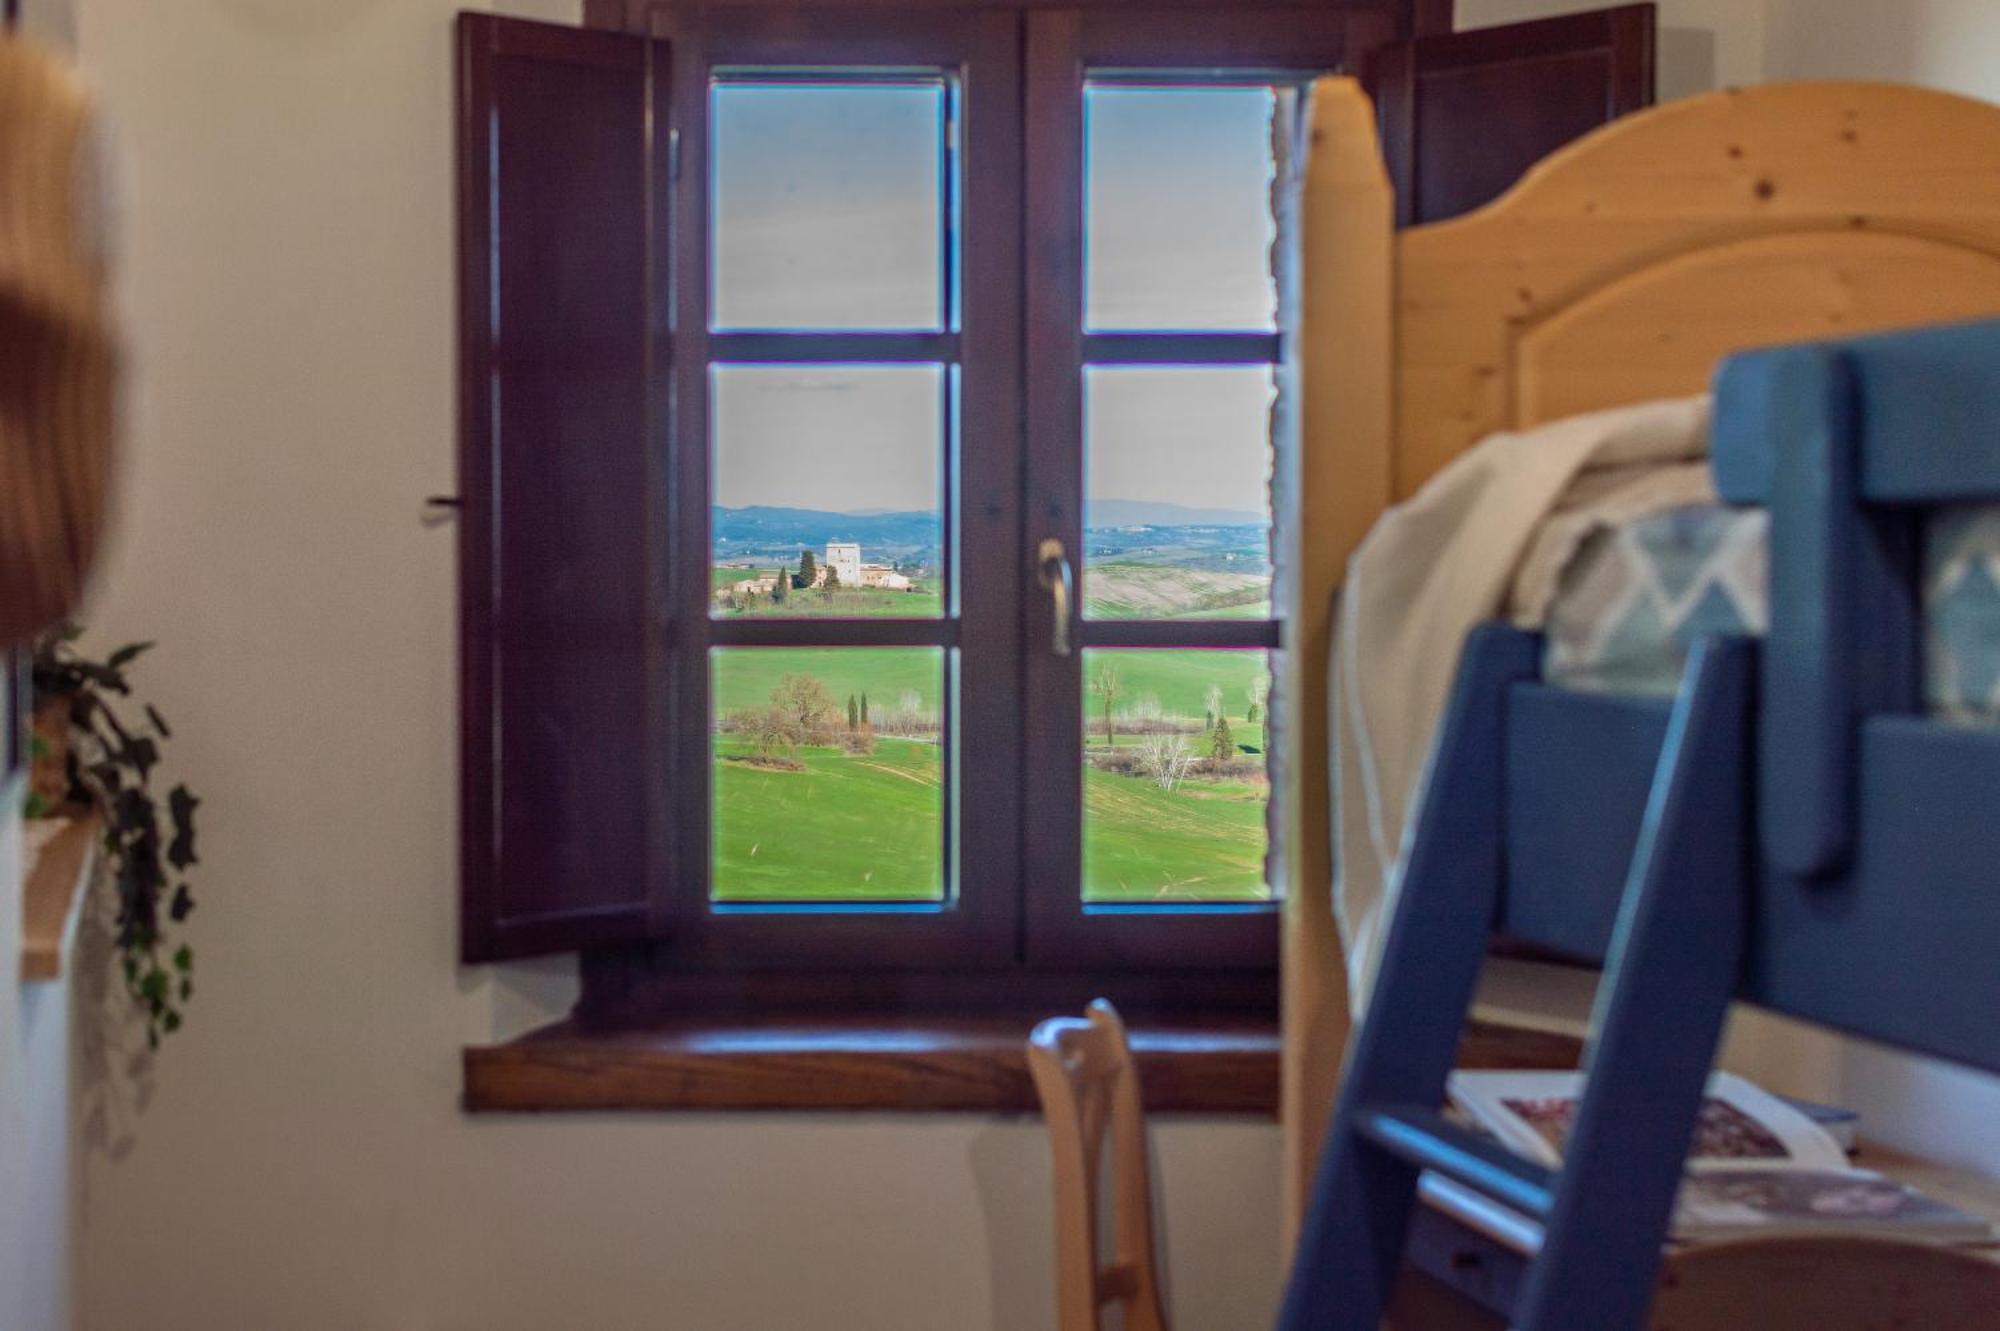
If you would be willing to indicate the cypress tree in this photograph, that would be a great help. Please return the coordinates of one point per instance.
(864, 707)
(1222, 747)
(853, 714)
(808, 570)
(779, 583)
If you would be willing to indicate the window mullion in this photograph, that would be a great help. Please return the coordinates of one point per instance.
(787, 348)
(1171, 348)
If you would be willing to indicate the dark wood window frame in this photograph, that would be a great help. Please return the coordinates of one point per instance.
(569, 314)
(1020, 944)
(979, 51)
(1018, 938)
(1065, 49)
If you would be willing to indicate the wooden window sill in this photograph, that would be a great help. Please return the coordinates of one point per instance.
(971, 1065)
(53, 876)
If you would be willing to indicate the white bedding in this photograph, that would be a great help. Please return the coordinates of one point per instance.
(1435, 567)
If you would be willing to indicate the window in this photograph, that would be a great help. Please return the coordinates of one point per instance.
(934, 618)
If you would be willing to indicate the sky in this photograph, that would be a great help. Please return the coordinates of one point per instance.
(827, 217)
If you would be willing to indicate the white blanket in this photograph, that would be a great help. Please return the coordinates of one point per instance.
(1464, 549)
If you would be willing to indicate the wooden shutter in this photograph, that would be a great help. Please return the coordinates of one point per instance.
(561, 417)
(1463, 114)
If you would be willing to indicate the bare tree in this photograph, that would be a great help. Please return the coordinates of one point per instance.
(909, 716)
(809, 704)
(1106, 687)
(771, 729)
(1258, 690)
(1167, 759)
(1214, 700)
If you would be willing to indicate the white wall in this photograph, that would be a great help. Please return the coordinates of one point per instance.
(302, 1162)
(1702, 44)
(1952, 44)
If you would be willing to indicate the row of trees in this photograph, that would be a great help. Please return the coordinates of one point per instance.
(1109, 687)
(803, 711)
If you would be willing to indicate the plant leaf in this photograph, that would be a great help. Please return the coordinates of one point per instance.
(142, 755)
(181, 806)
(159, 722)
(103, 676)
(129, 652)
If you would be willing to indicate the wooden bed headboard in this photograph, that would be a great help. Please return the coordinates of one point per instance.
(1620, 269)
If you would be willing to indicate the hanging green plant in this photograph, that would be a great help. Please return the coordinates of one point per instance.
(89, 749)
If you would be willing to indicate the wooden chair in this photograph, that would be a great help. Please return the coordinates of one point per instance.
(1088, 1084)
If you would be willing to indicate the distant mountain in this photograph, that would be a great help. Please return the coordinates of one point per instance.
(764, 527)
(766, 531)
(1146, 513)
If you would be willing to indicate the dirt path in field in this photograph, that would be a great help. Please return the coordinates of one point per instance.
(907, 776)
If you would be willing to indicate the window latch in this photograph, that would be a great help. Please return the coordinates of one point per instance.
(1052, 570)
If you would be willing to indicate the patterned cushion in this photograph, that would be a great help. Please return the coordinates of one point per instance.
(1635, 597)
(1962, 615)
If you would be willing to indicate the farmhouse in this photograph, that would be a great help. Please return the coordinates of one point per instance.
(844, 558)
(759, 585)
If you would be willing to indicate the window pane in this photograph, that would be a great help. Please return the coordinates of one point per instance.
(830, 474)
(1177, 468)
(828, 205)
(1174, 780)
(1178, 209)
(829, 774)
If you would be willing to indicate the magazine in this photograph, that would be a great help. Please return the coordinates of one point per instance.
(1843, 1125)
(1739, 1203)
(1740, 1125)
(1758, 1165)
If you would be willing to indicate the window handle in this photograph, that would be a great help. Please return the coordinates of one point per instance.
(1052, 570)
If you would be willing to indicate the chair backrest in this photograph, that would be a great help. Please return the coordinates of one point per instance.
(1089, 1088)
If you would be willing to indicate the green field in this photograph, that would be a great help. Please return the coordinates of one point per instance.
(1203, 842)
(846, 827)
(869, 826)
(1178, 681)
(743, 677)
(1111, 591)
